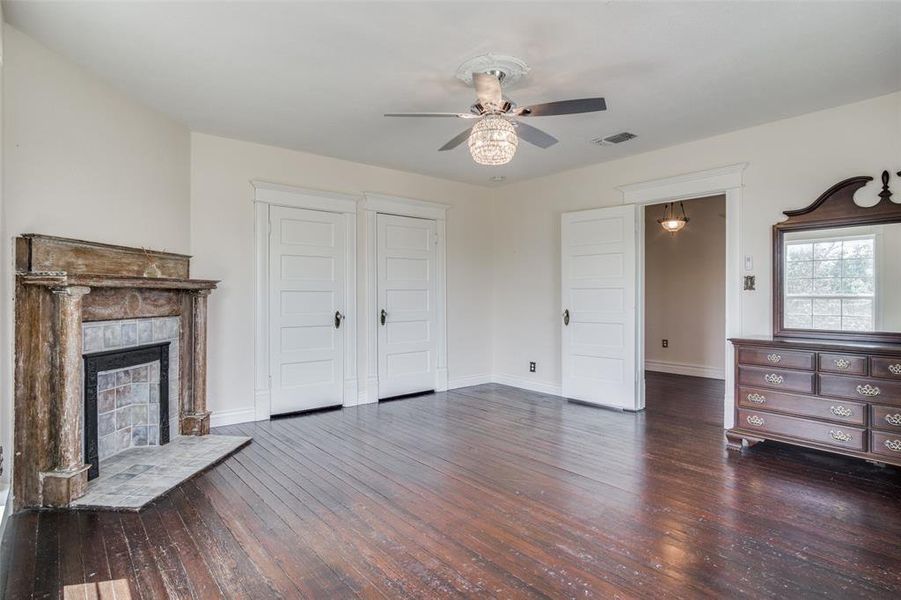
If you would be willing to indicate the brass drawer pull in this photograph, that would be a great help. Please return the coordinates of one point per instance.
(841, 411)
(840, 436)
(841, 363)
(756, 398)
(893, 445)
(774, 358)
(895, 369)
(755, 420)
(868, 390)
(777, 379)
(894, 419)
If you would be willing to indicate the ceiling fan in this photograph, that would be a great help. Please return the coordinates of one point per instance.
(494, 136)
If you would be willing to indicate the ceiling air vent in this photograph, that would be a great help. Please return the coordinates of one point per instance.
(617, 138)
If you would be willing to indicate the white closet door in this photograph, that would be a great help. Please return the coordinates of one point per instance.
(599, 301)
(306, 290)
(407, 319)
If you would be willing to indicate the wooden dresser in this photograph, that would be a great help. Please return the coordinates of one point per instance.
(838, 396)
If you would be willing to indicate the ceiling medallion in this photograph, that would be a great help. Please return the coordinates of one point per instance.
(508, 69)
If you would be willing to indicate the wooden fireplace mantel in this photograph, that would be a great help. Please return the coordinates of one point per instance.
(62, 279)
(60, 284)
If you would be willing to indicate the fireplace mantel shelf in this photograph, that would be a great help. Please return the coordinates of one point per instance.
(63, 279)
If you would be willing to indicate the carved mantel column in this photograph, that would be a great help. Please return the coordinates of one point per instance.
(197, 421)
(68, 480)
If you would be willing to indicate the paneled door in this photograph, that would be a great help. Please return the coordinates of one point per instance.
(599, 296)
(306, 312)
(407, 318)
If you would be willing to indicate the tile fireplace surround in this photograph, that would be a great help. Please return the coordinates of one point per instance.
(73, 297)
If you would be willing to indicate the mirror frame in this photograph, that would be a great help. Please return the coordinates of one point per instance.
(834, 208)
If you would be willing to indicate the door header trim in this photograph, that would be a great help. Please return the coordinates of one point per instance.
(404, 207)
(297, 197)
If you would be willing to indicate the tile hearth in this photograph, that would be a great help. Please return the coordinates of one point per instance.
(131, 479)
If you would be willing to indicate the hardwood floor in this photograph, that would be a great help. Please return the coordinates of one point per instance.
(487, 491)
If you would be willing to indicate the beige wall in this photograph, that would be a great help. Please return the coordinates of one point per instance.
(85, 161)
(81, 160)
(685, 282)
(222, 245)
(790, 163)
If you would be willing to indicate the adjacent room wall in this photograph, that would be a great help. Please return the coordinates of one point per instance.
(790, 162)
(222, 240)
(685, 281)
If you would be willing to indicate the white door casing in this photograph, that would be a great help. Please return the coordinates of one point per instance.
(599, 294)
(407, 294)
(372, 206)
(306, 293)
(726, 180)
(340, 210)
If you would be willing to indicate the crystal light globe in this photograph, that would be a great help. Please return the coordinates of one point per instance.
(493, 141)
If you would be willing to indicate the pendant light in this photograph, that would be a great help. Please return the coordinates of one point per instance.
(669, 221)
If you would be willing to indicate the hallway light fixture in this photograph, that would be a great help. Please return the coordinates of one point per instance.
(669, 221)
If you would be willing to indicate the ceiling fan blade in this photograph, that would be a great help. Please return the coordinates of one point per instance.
(488, 90)
(535, 136)
(433, 114)
(456, 141)
(562, 107)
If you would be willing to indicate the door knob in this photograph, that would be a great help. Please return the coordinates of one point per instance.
(338, 318)
(384, 316)
(566, 317)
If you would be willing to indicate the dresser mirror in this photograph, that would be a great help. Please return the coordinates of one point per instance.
(838, 267)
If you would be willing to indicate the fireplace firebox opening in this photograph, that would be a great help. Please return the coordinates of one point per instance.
(99, 363)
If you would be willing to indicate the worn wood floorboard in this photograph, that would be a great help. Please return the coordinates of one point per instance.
(487, 491)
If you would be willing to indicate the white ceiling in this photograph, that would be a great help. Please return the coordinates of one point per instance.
(317, 76)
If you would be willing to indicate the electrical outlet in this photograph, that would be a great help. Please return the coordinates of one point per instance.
(750, 283)
(664, 343)
(531, 367)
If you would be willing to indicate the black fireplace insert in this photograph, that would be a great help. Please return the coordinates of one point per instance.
(110, 360)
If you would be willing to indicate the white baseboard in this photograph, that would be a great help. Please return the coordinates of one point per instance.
(543, 387)
(232, 417)
(677, 368)
(461, 382)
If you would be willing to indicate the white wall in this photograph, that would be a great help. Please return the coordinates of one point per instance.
(80, 160)
(685, 282)
(6, 360)
(790, 163)
(222, 245)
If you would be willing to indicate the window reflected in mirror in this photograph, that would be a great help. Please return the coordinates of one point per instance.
(840, 279)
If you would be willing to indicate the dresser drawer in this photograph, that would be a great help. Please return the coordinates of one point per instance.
(828, 434)
(852, 364)
(860, 388)
(885, 366)
(841, 411)
(792, 381)
(886, 444)
(886, 417)
(786, 359)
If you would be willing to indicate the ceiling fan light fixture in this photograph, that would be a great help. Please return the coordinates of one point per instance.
(671, 222)
(493, 141)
